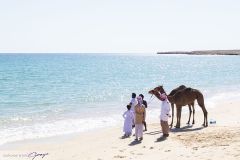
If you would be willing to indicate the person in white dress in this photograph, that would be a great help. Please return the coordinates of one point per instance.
(128, 121)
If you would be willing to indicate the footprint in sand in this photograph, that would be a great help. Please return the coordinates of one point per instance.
(121, 150)
(195, 148)
(119, 156)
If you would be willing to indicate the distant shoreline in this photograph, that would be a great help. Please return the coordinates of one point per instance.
(204, 52)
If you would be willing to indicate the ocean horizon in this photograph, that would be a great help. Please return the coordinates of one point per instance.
(44, 95)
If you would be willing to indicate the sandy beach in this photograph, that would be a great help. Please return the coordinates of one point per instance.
(220, 140)
(71, 70)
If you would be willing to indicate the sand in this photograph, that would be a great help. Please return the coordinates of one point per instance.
(218, 141)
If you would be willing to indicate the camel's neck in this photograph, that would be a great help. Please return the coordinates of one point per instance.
(163, 91)
(171, 99)
(157, 95)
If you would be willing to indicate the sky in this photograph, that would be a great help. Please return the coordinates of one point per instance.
(118, 26)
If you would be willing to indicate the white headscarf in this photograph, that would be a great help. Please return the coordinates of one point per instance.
(163, 96)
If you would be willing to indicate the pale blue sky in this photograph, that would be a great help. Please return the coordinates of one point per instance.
(136, 26)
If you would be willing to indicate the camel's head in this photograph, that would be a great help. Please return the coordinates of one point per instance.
(160, 89)
(151, 91)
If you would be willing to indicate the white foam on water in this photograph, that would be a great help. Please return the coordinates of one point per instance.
(60, 127)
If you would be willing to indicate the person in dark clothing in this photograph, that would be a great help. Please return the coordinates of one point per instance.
(145, 104)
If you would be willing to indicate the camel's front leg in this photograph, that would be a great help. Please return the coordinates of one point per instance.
(178, 116)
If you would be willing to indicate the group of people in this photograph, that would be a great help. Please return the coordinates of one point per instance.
(135, 116)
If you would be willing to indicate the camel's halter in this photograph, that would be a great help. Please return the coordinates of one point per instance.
(151, 99)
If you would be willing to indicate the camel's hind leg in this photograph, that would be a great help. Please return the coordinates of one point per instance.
(172, 105)
(205, 116)
(190, 113)
(193, 109)
(205, 113)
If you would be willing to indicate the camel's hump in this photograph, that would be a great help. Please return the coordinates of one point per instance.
(182, 86)
(188, 89)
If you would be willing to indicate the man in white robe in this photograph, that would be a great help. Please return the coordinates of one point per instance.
(165, 110)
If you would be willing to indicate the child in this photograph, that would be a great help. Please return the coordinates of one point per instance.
(128, 122)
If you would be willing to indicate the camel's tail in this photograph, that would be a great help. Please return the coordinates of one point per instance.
(200, 100)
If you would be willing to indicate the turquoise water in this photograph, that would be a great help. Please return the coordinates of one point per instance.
(45, 95)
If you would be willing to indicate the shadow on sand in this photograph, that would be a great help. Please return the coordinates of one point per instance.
(124, 137)
(186, 129)
(135, 142)
(162, 138)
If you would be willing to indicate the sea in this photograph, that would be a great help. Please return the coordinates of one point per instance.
(45, 95)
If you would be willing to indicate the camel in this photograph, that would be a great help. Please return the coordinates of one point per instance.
(182, 98)
(190, 105)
